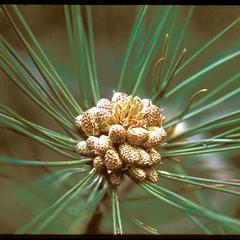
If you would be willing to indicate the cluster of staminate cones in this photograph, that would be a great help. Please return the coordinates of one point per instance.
(121, 135)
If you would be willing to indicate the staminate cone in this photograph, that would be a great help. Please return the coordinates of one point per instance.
(156, 136)
(78, 122)
(112, 160)
(161, 132)
(155, 156)
(115, 179)
(82, 149)
(137, 174)
(151, 174)
(89, 124)
(91, 142)
(103, 145)
(117, 133)
(145, 159)
(118, 96)
(103, 119)
(137, 136)
(98, 164)
(129, 154)
(104, 103)
(152, 114)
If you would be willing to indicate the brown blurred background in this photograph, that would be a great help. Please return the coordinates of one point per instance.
(112, 26)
